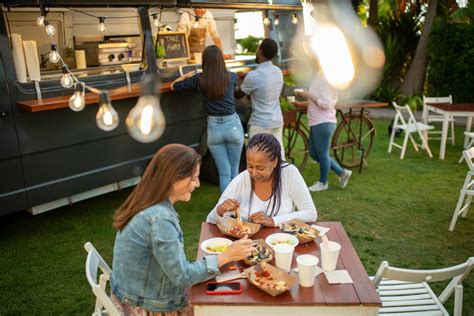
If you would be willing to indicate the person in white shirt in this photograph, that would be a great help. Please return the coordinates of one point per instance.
(269, 192)
(321, 103)
(197, 24)
(264, 85)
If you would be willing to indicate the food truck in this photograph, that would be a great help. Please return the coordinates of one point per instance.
(51, 156)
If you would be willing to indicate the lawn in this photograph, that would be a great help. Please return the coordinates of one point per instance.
(396, 210)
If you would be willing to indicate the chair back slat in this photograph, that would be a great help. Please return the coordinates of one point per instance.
(468, 155)
(435, 100)
(417, 276)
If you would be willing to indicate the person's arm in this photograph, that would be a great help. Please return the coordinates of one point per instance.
(227, 202)
(184, 23)
(212, 30)
(249, 84)
(187, 81)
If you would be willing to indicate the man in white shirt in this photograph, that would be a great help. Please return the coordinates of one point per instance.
(264, 85)
(197, 24)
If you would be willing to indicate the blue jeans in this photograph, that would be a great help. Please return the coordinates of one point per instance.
(319, 143)
(225, 139)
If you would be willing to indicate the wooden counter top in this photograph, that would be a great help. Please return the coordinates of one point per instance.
(91, 98)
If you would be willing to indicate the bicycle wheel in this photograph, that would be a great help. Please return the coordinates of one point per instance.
(345, 142)
(296, 146)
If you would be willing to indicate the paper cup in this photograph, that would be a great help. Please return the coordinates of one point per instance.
(307, 269)
(291, 98)
(329, 255)
(296, 91)
(198, 58)
(283, 256)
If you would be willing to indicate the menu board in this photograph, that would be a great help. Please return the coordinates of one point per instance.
(175, 45)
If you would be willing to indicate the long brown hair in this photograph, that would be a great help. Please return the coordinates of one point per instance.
(171, 163)
(214, 78)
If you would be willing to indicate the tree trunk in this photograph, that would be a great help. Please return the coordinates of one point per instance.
(373, 13)
(413, 82)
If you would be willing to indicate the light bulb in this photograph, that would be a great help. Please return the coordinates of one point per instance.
(156, 22)
(106, 118)
(146, 121)
(54, 56)
(196, 22)
(40, 20)
(77, 101)
(266, 20)
(294, 18)
(277, 20)
(236, 25)
(50, 30)
(101, 26)
(66, 79)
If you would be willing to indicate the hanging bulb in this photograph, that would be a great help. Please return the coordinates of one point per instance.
(196, 22)
(156, 22)
(54, 56)
(277, 20)
(236, 26)
(77, 101)
(40, 20)
(266, 20)
(146, 121)
(107, 118)
(101, 26)
(294, 18)
(50, 30)
(66, 79)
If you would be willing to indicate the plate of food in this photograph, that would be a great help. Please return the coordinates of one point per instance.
(300, 230)
(215, 246)
(262, 253)
(269, 278)
(238, 229)
(281, 238)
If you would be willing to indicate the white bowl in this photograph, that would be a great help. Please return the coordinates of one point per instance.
(130, 67)
(219, 241)
(278, 238)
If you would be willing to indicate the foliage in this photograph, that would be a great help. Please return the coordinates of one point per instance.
(451, 61)
(413, 101)
(285, 105)
(249, 44)
(160, 51)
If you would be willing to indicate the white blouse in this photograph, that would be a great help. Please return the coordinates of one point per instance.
(296, 201)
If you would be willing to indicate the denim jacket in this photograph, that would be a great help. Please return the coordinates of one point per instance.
(150, 268)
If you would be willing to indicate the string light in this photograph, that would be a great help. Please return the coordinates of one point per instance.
(236, 26)
(54, 56)
(77, 101)
(107, 118)
(101, 26)
(50, 30)
(40, 20)
(266, 19)
(294, 18)
(66, 79)
(156, 22)
(277, 20)
(196, 22)
(146, 121)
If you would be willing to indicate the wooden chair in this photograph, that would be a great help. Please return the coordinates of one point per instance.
(430, 117)
(406, 292)
(467, 190)
(405, 120)
(94, 262)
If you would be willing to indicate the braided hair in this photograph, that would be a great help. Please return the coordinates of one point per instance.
(268, 144)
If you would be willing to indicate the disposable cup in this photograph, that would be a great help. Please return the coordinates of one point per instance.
(283, 256)
(307, 269)
(198, 58)
(296, 91)
(329, 255)
(291, 98)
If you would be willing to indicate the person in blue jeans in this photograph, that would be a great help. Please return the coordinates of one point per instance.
(225, 134)
(321, 103)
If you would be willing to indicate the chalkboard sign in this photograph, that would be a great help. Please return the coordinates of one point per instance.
(175, 45)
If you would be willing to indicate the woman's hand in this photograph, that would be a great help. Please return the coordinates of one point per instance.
(261, 218)
(303, 93)
(227, 206)
(301, 104)
(239, 250)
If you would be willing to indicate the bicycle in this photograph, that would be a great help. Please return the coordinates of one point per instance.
(295, 138)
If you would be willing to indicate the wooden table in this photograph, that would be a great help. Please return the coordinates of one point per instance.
(359, 298)
(448, 110)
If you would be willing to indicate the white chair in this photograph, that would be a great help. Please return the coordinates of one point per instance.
(467, 190)
(470, 142)
(430, 116)
(406, 292)
(94, 262)
(405, 120)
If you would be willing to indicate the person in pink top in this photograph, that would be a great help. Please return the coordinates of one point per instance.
(321, 104)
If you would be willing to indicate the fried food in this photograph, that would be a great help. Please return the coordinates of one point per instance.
(299, 231)
(265, 280)
(239, 230)
(261, 253)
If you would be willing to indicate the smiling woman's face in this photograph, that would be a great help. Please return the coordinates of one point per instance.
(182, 189)
(200, 12)
(259, 165)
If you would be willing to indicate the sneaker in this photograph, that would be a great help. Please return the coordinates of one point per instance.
(344, 178)
(318, 186)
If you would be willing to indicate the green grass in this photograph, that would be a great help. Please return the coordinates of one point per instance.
(396, 210)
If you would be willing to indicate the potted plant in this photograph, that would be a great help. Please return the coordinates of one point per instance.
(288, 111)
(160, 53)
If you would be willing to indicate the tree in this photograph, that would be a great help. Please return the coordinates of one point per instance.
(415, 78)
(373, 13)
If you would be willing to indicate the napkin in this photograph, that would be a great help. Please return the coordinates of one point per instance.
(338, 277)
(318, 271)
(322, 230)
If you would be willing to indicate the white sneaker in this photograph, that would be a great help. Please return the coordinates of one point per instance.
(318, 186)
(344, 178)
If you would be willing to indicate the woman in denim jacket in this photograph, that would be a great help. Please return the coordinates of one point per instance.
(225, 134)
(150, 270)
